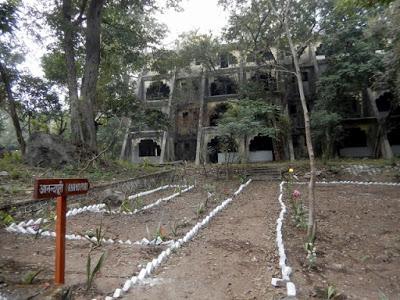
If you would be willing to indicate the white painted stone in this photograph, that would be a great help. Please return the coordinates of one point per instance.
(38, 221)
(22, 229)
(149, 268)
(110, 241)
(128, 242)
(53, 234)
(109, 298)
(155, 263)
(168, 252)
(120, 241)
(127, 285)
(291, 289)
(117, 293)
(134, 280)
(142, 274)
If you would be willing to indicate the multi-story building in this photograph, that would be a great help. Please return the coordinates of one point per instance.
(180, 98)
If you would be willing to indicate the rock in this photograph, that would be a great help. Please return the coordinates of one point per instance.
(112, 198)
(49, 150)
(4, 173)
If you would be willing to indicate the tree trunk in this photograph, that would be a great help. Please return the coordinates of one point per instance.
(311, 186)
(386, 149)
(166, 133)
(91, 73)
(12, 108)
(200, 125)
(68, 45)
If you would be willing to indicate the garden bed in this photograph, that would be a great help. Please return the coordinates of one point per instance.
(358, 243)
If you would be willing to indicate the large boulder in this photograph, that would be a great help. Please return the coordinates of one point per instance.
(49, 150)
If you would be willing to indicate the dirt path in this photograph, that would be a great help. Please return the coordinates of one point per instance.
(233, 258)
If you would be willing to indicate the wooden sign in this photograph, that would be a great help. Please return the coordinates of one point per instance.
(60, 189)
(52, 188)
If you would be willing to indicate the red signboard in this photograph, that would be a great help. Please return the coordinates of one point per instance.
(60, 188)
(51, 188)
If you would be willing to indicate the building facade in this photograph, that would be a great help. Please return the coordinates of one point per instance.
(181, 96)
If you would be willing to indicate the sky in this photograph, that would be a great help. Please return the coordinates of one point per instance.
(204, 15)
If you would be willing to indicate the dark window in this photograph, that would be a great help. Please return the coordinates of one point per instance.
(384, 101)
(223, 85)
(260, 143)
(149, 148)
(304, 76)
(224, 60)
(320, 50)
(157, 90)
(219, 110)
(185, 114)
(293, 109)
(355, 137)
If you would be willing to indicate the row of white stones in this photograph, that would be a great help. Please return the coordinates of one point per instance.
(145, 193)
(286, 270)
(29, 230)
(96, 208)
(155, 263)
(354, 182)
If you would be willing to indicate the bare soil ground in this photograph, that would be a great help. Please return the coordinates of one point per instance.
(358, 244)
(234, 256)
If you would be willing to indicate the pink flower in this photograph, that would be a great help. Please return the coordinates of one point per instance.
(296, 194)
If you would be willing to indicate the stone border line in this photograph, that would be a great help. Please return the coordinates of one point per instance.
(156, 262)
(25, 226)
(285, 269)
(352, 182)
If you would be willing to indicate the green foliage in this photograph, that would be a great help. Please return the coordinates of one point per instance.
(30, 277)
(247, 117)
(200, 210)
(203, 49)
(5, 218)
(348, 4)
(327, 131)
(177, 224)
(126, 206)
(352, 61)
(99, 234)
(331, 292)
(90, 274)
(382, 295)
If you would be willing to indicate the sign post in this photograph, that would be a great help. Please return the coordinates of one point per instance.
(60, 188)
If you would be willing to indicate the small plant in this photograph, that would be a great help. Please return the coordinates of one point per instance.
(382, 295)
(331, 292)
(126, 206)
(138, 204)
(299, 212)
(30, 277)
(5, 218)
(90, 274)
(160, 232)
(98, 235)
(242, 178)
(178, 189)
(178, 224)
(311, 252)
(200, 210)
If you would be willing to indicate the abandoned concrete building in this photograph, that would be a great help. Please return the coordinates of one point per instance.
(180, 98)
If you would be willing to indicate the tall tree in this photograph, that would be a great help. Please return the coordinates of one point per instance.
(92, 31)
(9, 57)
(293, 24)
(202, 49)
(353, 65)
